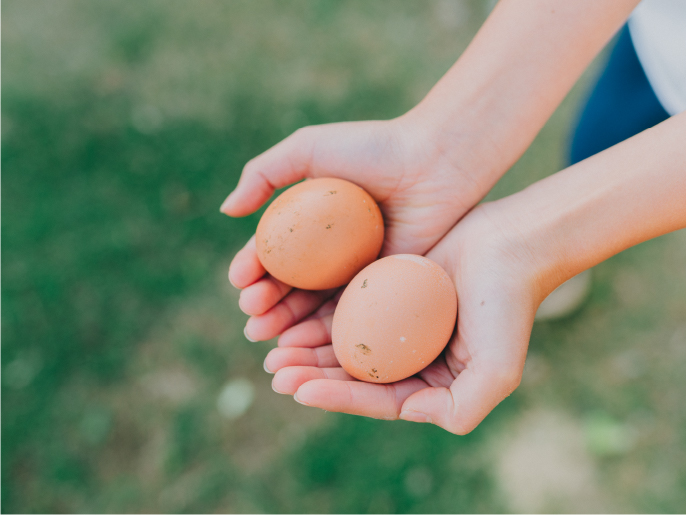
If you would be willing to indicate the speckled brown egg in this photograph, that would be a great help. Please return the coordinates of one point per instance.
(319, 233)
(394, 318)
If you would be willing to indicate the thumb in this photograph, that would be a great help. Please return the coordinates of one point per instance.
(285, 163)
(492, 372)
(460, 408)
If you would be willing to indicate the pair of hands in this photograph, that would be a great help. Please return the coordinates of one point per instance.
(427, 170)
(422, 194)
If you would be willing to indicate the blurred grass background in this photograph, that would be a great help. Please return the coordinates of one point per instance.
(127, 385)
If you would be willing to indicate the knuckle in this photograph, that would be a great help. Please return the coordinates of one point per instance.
(459, 428)
(250, 167)
(304, 134)
(505, 378)
(317, 358)
(508, 379)
(303, 131)
(392, 399)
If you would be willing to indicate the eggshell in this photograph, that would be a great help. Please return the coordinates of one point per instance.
(394, 318)
(319, 233)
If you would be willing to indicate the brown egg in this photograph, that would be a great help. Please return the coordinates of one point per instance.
(319, 233)
(394, 318)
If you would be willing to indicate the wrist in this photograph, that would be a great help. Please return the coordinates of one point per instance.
(459, 145)
(534, 237)
(488, 108)
(574, 219)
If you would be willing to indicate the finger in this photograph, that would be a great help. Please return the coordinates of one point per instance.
(322, 357)
(289, 379)
(257, 298)
(314, 330)
(295, 306)
(283, 164)
(309, 333)
(246, 268)
(499, 337)
(460, 408)
(358, 398)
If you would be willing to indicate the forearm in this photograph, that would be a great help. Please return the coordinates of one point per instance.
(618, 198)
(516, 71)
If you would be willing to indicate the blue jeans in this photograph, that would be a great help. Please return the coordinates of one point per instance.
(621, 104)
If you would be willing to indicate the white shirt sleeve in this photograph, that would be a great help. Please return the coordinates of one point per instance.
(657, 28)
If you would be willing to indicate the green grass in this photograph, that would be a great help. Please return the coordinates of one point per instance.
(124, 127)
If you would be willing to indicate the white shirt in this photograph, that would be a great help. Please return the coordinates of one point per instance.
(657, 28)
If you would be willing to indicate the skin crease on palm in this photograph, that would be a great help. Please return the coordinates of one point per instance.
(502, 269)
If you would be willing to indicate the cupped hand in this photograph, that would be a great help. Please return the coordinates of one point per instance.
(421, 192)
(498, 294)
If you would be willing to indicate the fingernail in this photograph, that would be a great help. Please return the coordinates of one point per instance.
(226, 204)
(245, 333)
(295, 397)
(264, 365)
(415, 416)
(277, 391)
(232, 282)
(243, 309)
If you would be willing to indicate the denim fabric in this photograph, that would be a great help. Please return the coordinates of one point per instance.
(621, 104)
